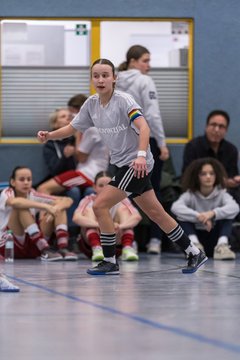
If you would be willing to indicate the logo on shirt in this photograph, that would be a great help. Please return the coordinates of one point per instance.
(113, 130)
(152, 95)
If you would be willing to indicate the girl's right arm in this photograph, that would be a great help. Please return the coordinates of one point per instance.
(84, 215)
(61, 133)
(86, 219)
(22, 203)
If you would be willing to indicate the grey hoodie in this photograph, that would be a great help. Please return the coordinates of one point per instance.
(190, 204)
(143, 89)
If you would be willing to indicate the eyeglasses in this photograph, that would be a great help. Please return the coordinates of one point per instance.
(220, 126)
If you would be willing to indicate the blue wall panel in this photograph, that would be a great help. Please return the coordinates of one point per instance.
(216, 50)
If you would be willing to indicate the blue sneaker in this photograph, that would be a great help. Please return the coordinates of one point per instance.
(194, 262)
(6, 286)
(104, 268)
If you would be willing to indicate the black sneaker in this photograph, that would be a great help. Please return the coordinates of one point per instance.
(104, 268)
(194, 262)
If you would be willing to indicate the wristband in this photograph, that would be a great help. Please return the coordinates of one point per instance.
(142, 153)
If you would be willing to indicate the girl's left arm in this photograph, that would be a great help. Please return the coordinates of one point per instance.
(140, 164)
(132, 216)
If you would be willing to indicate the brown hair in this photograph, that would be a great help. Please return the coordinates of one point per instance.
(134, 52)
(14, 172)
(77, 101)
(102, 174)
(190, 179)
(104, 62)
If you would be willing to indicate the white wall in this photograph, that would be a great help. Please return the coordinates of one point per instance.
(118, 36)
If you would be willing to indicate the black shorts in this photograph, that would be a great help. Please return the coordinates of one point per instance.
(125, 180)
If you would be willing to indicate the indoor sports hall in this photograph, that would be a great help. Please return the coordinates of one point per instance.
(151, 310)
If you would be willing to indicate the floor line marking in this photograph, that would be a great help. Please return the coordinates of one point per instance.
(172, 329)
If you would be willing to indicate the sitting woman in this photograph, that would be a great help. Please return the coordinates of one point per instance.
(205, 210)
(125, 216)
(33, 218)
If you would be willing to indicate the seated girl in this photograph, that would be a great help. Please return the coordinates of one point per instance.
(205, 210)
(125, 216)
(33, 218)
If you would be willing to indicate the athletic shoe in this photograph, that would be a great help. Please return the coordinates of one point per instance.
(6, 286)
(154, 247)
(129, 254)
(222, 252)
(68, 255)
(50, 255)
(194, 262)
(97, 253)
(104, 268)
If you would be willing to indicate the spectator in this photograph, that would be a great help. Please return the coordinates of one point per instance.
(125, 217)
(75, 103)
(205, 210)
(133, 79)
(59, 156)
(92, 156)
(19, 207)
(213, 144)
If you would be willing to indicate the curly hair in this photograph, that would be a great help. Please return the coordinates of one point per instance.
(190, 180)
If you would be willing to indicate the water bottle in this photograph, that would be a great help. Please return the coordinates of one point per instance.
(9, 247)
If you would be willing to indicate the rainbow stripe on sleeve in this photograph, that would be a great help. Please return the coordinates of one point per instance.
(134, 114)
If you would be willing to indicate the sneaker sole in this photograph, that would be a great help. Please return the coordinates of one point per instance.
(52, 260)
(70, 258)
(224, 259)
(10, 290)
(133, 258)
(191, 271)
(102, 273)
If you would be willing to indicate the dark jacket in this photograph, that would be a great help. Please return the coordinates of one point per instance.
(54, 158)
(199, 148)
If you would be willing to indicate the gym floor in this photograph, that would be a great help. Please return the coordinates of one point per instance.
(151, 311)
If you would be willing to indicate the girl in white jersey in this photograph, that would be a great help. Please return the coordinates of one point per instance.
(124, 130)
(125, 217)
(19, 205)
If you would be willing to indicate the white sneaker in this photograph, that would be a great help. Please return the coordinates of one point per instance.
(97, 253)
(223, 252)
(129, 254)
(7, 286)
(154, 246)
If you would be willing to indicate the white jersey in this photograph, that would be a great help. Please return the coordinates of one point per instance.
(143, 89)
(98, 154)
(5, 210)
(87, 202)
(115, 124)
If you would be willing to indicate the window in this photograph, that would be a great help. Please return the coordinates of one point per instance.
(44, 63)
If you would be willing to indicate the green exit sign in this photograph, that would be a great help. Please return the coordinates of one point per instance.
(81, 29)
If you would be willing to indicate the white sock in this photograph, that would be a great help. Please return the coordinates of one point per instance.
(111, 259)
(32, 229)
(192, 249)
(222, 240)
(194, 239)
